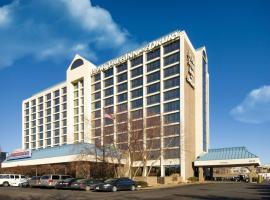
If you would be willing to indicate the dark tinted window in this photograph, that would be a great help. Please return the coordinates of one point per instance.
(153, 54)
(171, 59)
(55, 177)
(136, 61)
(121, 87)
(121, 67)
(171, 47)
(153, 65)
(108, 73)
(136, 72)
(171, 70)
(153, 88)
(76, 63)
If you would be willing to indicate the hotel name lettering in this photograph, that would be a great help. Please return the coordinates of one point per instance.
(137, 52)
(190, 75)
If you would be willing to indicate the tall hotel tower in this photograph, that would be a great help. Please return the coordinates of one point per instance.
(165, 81)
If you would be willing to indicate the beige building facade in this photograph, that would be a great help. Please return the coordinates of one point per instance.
(166, 81)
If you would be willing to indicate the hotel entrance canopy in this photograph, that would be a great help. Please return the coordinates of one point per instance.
(234, 156)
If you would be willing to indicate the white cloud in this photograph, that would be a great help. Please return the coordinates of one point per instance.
(5, 14)
(57, 30)
(255, 108)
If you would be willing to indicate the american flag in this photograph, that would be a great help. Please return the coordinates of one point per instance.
(109, 116)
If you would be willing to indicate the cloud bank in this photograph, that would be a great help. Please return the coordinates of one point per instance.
(255, 108)
(49, 29)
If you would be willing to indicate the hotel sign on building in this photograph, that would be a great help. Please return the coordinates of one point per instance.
(137, 52)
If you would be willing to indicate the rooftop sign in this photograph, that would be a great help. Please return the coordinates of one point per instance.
(137, 52)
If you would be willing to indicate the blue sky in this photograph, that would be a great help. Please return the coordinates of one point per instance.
(38, 39)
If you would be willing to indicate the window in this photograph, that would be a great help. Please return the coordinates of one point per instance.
(108, 91)
(108, 101)
(97, 77)
(171, 153)
(172, 94)
(153, 77)
(97, 95)
(137, 114)
(109, 110)
(172, 118)
(136, 72)
(40, 99)
(153, 99)
(137, 103)
(153, 88)
(108, 82)
(122, 87)
(64, 98)
(154, 110)
(108, 73)
(137, 61)
(56, 93)
(97, 105)
(121, 67)
(122, 77)
(171, 83)
(122, 97)
(137, 82)
(171, 59)
(97, 86)
(171, 71)
(172, 142)
(137, 93)
(48, 96)
(153, 65)
(64, 90)
(171, 47)
(57, 116)
(122, 107)
(56, 108)
(76, 63)
(153, 54)
(33, 102)
(172, 106)
(56, 101)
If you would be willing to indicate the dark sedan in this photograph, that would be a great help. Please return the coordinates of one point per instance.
(65, 184)
(85, 184)
(113, 185)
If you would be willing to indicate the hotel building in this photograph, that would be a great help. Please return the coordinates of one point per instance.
(164, 83)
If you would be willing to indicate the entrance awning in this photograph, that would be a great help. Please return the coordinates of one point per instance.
(234, 156)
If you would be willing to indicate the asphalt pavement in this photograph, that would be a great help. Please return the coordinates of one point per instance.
(208, 191)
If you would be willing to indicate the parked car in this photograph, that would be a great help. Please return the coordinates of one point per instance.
(50, 180)
(11, 179)
(114, 185)
(24, 184)
(85, 184)
(34, 181)
(240, 178)
(66, 184)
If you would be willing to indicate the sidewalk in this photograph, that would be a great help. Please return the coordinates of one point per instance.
(172, 185)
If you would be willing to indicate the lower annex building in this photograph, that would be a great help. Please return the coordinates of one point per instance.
(159, 91)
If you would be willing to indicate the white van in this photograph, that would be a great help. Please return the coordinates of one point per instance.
(11, 179)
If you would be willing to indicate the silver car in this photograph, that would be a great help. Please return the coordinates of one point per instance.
(50, 180)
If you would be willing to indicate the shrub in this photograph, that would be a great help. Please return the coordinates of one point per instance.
(141, 183)
(193, 179)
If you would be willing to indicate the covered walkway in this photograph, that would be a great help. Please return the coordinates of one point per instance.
(225, 157)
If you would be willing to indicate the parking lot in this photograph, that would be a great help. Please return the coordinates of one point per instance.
(209, 191)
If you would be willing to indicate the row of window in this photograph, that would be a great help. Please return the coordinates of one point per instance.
(48, 96)
(139, 60)
(169, 95)
(152, 121)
